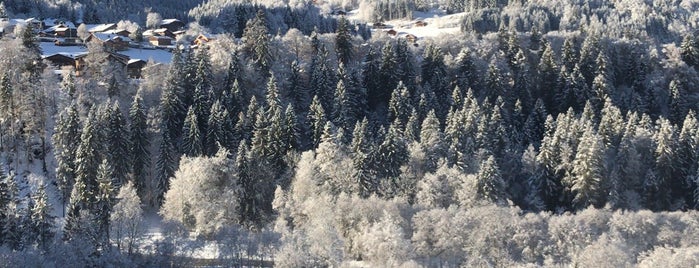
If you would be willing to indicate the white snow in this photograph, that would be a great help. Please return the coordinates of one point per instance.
(157, 55)
(438, 24)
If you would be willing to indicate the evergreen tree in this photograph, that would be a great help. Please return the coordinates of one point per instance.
(689, 50)
(548, 77)
(257, 41)
(688, 154)
(390, 155)
(399, 106)
(666, 185)
(360, 147)
(317, 120)
(166, 165)
(117, 144)
(490, 185)
(41, 220)
(66, 140)
(466, 74)
(432, 141)
(343, 41)
(87, 160)
(192, 144)
(139, 142)
(104, 202)
(588, 172)
(372, 84)
(321, 80)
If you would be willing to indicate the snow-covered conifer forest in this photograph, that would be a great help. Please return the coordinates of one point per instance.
(349, 133)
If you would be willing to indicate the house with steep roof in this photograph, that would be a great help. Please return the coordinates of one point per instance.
(111, 41)
(172, 25)
(102, 28)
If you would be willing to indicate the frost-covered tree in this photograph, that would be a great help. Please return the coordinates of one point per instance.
(66, 139)
(588, 170)
(343, 41)
(192, 144)
(127, 219)
(116, 140)
(204, 195)
(257, 41)
(41, 221)
(139, 142)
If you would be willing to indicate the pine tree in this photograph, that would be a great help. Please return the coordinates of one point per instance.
(490, 185)
(466, 74)
(87, 159)
(12, 228)
(317, 120)
(343, 104)
(65, 140)
(663, 188)
(389, 155)
(688, 154)
(360, 159)
(139, 142)
(399, 106)
(166, 165)
(548, 77)
(588, 172)
(192, 144)
(372, 84)
(41, 220)
(104, 201)
(432, 141)
(257, 41)
(321, 81)
(689, 50)
(343, 41)
(117, 144)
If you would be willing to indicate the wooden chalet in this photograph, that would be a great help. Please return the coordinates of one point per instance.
(420, 23)
(163, 32)
(111, 41)
(62, 59)
(65, 31)
(172, 25)
(112, 57)
(392, 32)
(134, 67)
(201, 40)
(121, 32)
(159, 41)
(379, 25)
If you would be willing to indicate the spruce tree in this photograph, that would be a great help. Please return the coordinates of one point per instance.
(490, 185)
(588, 172)
(41, 220)
(399, 106)
(192, 144)
(88, 158)
(117, 144)
(317, 120)
(343, 41)
(257, 41)
(139, 142)
(66, 139)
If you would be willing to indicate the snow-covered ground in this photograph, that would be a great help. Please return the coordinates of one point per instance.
(157, 55)
(438, 23)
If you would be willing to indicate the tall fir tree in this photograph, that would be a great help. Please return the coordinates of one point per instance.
(139, 143)
(116, 140)
(66, 139)
(343, 41)
(192, 144)
(588, 172)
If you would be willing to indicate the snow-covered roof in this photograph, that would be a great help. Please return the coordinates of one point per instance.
(101, 27)
(66, 54)
(108, 36)
(168, 21)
